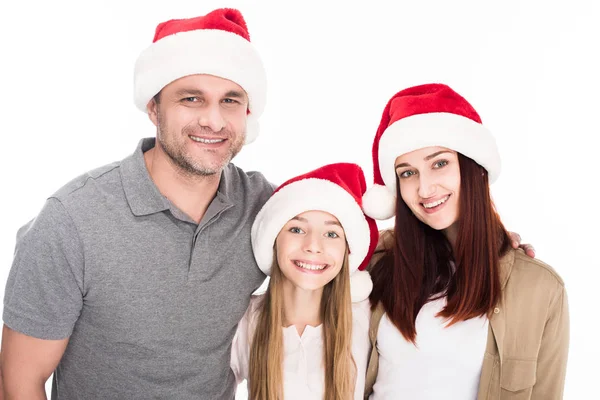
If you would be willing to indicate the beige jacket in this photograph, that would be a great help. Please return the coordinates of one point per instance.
(528, 339)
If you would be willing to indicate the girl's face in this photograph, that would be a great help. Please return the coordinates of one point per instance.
(310, 249)
(430, 185)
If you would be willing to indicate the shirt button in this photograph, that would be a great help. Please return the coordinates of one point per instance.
(496, 310)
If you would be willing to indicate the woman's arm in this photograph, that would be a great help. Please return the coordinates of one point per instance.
(552, 357)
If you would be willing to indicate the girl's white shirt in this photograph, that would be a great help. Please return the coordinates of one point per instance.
(303, 355)
(445, 364)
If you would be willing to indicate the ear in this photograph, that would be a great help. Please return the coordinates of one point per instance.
(152, 109)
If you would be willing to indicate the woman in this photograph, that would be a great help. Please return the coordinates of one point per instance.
(303, 338)
(459, 314)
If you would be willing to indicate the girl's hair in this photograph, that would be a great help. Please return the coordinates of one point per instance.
(266, 350)
(422, 266)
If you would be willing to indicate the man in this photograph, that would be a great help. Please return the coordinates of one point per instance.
(132, 279)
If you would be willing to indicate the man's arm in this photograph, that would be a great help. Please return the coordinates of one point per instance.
(26, 363)
(42, 301)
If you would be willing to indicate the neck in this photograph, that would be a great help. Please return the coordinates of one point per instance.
(192, 194)
(451, 234)
(301, 307)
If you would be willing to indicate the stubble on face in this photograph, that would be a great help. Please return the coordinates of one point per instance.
(173, 145)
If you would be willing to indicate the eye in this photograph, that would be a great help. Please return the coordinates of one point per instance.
(332, 235)
(295, 229)
(192, 99)
(440, 163)
(230, 101)
(407, 174)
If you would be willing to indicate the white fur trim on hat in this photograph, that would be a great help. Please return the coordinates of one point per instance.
(453, 131)
(204, 51)
(379, 203)
(252, 128)
(360, 286)
(307, 195)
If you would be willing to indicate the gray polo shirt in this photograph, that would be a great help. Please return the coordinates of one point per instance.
(149, 299)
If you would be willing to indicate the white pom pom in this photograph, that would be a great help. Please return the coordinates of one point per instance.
(379, 203)
(360, 286)
(252, 128)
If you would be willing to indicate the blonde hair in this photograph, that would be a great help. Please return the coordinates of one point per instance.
(266, 350)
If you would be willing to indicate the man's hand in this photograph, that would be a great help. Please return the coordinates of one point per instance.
(515, 240)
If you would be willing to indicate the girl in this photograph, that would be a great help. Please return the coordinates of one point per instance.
(303, 338)
(458, 313)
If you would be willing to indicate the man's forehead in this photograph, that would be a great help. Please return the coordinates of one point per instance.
(206, 84)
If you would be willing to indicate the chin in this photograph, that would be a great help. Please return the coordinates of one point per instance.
(439, 225)
(311, 286)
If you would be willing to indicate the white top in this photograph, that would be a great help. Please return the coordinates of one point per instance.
(303, 375)
(446, 364)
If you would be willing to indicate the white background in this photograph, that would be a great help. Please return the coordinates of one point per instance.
(529, 67)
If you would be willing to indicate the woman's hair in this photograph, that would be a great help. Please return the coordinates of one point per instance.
(266, 350)
(422, 265)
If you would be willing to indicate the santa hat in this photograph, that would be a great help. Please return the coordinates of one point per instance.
(336, 189)
(425, 116)
(215, 44)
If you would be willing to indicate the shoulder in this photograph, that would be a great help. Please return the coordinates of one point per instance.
(531, 281)
(535, 269)
(83, 185)
(256, 301)
(249, 184)
(254, 307)
(58, 210)
(386, 239)
(361, 312)
(384, 245)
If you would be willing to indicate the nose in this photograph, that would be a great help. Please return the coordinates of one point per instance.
(312, 243)
(211, 117)
(427, 186)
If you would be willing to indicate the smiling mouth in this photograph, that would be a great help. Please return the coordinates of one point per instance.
(437, 203)
(205, 140)
(311, 266)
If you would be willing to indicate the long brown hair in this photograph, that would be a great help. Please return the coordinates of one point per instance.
(419, 267)
(266, 350)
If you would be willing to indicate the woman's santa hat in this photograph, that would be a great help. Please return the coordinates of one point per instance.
(336, 189)
(425, 116)
(216, 44)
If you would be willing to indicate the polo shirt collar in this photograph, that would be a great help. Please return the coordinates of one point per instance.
(143, 196)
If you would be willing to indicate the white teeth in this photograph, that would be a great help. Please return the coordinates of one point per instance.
(312, 267)
(436, 203)
(209, 141)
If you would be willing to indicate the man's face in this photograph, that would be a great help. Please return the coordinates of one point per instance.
(201, 122)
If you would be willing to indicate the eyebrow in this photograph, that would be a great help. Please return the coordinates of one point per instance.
(196, 92)
(236, 94)
(429, 157)
(189, 92)
(326, 222)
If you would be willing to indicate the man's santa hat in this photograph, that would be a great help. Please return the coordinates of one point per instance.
(216, 44)
(336, 189)
(425, 116)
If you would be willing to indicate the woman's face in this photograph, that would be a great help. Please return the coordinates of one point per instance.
(430, 185)
(310, 249)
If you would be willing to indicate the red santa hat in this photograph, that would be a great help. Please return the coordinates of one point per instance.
(336, 189)
(424, 116)
(216, 44)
